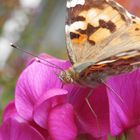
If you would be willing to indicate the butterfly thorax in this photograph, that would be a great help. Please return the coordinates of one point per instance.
(95, 73)
(82, 78)
(72, 76)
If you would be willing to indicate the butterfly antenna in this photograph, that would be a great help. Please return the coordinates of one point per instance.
(29, 53)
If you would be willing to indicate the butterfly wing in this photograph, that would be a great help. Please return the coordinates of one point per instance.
(98, 29)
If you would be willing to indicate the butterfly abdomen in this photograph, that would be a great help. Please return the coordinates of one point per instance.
(94, 74)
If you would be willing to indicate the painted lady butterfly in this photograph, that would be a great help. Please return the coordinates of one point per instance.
(103, 39)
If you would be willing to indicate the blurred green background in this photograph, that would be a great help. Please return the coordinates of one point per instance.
(37, 26)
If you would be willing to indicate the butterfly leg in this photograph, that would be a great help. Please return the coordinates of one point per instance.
(92, 110)
(110, 88)
(89, 105)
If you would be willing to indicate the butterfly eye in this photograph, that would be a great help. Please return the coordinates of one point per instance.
(65, 77)
(62, 76)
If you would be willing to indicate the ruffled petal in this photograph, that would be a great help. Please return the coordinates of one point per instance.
(11, 129)
(35, 80)
(61, 123)
(47, 101)
(124, 101)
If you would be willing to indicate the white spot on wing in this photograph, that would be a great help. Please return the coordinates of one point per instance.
(93, 16)
(75, 26)
(73, 3)
(67, 28)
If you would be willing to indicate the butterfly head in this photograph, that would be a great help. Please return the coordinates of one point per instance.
(67, 76)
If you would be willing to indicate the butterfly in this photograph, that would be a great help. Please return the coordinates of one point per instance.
(103, 39)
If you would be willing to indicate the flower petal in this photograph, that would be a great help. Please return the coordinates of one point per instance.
(124, 100)
(35, 80)
(61, 123)
(10, 112)
(96, 124)
(13, 130)
(89, 137)
(133, 133)
(47, 101)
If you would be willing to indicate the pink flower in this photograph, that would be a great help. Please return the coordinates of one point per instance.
(49, 111)
(16, 128)
(61, 111)
(125, 115)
